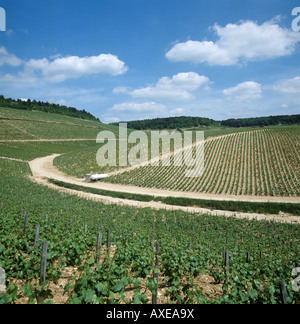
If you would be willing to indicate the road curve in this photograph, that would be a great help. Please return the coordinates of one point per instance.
(43, 169)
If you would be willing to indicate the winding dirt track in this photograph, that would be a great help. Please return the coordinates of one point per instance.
(43, 169)
(12, 159)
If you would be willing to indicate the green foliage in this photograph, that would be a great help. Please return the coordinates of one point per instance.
(170, 123)
(263, 121)
(190, 245)
(235, 206)
(46, 107)
(196, 122)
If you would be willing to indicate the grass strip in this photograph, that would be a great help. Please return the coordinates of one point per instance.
(234, 206)
(113, 194)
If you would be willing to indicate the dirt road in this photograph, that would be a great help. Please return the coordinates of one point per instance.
(43, 169)
(12, 159)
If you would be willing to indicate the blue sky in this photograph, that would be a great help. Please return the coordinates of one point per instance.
(137, 59)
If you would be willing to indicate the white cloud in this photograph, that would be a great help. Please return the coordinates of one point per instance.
(244, 92)
(64, 68)
(55, 56)
(118, 90)
(131, 110)
(289, 86)
(156, 93)
(58, 68)
(189, 81)
(177, 112)
(9, 32)
(238, 43)
(127, 111)
(9, 59)
(177, 88)
(134, 107)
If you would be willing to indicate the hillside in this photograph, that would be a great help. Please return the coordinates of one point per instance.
(22, 124)
(34, 105)
(112, 243)
(26, 134)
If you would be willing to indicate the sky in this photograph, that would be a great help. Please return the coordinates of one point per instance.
(125, 60)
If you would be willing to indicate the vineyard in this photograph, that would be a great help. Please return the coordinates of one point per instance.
(260, 163)
(111, 254)
(28, 125)
(59, 248)
(82, 161)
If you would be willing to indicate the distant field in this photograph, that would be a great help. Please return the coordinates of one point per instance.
(264, 162)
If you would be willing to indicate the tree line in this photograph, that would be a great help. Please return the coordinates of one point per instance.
(170, 123)
(45, 107)
(263, 121)
(194, 122)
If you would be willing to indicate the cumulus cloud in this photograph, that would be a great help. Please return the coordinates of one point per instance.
(63, 68)
(58, 68)
(188, 81)
(179, 87)
(157, 93)
(238, 43)
(119, 90)
(134, 110)
(157, 100)
(9, 59)
(289, 86)
(177, 112)
(244, 92)
(134, 107)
